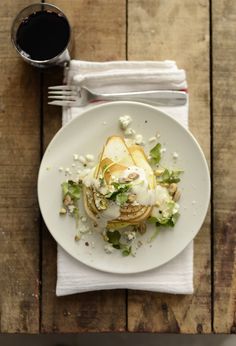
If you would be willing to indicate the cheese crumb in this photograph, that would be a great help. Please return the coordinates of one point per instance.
(75, 157)
(89, 157)
(152, 139)
(139, 139)
(125, 121)
(82, 159)
(175, 155)
(109, 248)
(130, 132)
(60, 169)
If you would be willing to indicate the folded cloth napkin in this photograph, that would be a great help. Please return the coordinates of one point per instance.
(175, 276)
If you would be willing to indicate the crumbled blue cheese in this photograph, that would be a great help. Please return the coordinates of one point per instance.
(83, 219)
(82, 159)
(83, 228)
(175, 155)
(89, 157)
(71, 208)
(163, 150)
(131, 235)
(139, 139)
(152, 139)
(73, 165)
(75, 157)
(60, 169)
(129, 132)
(108, 248)
(125, 121)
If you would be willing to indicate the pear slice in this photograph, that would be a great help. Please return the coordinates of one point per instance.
(141, 160)
(115, 158)
(111, 169)
(117, 151)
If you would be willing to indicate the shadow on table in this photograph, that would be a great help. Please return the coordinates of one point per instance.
(119, 339)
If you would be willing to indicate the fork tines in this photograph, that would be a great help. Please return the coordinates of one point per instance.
(62, 92)
(63, 87)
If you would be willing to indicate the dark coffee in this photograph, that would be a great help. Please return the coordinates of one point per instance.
(43, 35)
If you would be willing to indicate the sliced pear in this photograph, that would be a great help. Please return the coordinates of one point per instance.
(118, 157)
(89, 204)
(141, 160)
(110, 168)
(117, 151)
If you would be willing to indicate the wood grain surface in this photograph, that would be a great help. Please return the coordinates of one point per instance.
(19, 158)
(224, 130)
(94, 311)
(177, 30)
(113, 30)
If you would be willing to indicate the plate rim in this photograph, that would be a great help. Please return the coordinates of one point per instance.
(108, 104)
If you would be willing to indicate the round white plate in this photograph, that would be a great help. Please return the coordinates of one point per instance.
(87, 134)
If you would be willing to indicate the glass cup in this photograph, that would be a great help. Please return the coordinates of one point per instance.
(41, 35)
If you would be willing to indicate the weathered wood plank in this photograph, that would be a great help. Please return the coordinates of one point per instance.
(19, 157)
(177, 30)
(224, 119)
(98, 34)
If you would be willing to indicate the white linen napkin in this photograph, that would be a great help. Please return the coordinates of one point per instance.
(175, 276)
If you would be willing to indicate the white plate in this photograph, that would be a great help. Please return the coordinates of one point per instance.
(87, 134)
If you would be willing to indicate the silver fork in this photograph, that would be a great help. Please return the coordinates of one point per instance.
(73, 96)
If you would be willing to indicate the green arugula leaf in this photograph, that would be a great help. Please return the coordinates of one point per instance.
(113, 237)
(169, 177)
(165, 222)
(126, 250)
(152, 219)
(122, 198)
(168, 222)
(72, 189)
(155, 154)
(120, 188)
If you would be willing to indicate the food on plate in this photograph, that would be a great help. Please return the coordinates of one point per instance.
(124, 192)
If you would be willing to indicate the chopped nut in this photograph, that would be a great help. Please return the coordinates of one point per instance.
(158, 172)
(165, 184)
(133, 176)
(142, 227)
(62, 211)
(177, 195)
(131, 198)
(77, 237)
(67, 200)
(172, 188)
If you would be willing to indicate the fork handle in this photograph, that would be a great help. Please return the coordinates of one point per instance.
(157, 97)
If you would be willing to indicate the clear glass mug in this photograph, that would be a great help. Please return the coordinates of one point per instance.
(62, 56)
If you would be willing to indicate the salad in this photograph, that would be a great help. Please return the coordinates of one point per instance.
(122, 193)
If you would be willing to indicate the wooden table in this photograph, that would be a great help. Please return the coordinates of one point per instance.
(201, 37)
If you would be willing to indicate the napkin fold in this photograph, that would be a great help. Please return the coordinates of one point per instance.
(176, 276)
